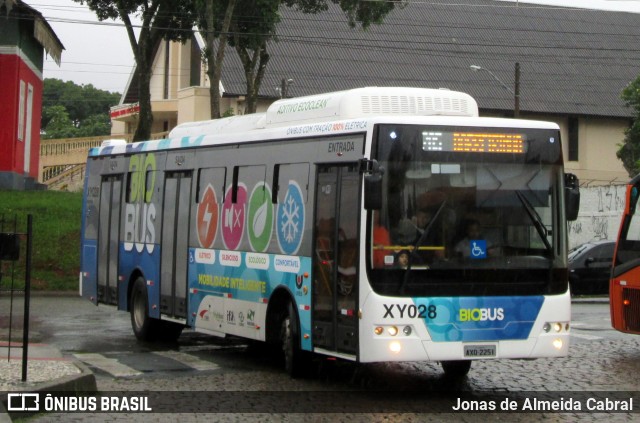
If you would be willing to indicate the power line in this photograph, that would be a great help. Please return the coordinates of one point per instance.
(631, 36)
(441, 46)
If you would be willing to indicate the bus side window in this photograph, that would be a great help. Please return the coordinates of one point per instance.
(298, 172)
(633, 233)
(214, 176)
(149, 185)
(275, 186)
(130, 187)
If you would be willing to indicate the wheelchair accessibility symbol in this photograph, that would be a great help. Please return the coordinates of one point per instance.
(478, 249)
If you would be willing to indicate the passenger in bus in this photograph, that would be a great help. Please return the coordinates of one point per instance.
(474, 244)
(402, 259)
(411, 233)
(410, 230)
(381, 240)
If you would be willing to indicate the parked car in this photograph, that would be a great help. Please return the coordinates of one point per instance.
(590, 267)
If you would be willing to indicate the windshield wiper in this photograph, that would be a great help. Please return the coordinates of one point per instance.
(423, 236)
(536, 219)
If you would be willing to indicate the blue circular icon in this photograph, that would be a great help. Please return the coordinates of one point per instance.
(290, 220)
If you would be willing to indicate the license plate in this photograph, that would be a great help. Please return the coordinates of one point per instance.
(479, 351)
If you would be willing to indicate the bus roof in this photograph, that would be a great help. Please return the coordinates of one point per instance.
(341, 105)
(337, 112)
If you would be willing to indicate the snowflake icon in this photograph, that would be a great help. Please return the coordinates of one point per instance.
(291, 220)
(290, 216)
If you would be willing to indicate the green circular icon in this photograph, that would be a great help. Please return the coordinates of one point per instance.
(260, 221)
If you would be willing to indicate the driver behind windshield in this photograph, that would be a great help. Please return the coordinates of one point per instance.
(421, 234)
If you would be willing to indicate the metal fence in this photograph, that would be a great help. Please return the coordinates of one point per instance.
(15, 262)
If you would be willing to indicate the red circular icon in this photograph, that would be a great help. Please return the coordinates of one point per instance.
(207, 218)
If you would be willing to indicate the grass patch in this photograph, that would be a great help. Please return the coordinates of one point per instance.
(56, 238)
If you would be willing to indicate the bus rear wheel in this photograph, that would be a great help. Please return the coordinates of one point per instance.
(144, 327)
(296, 361)
(456, 369)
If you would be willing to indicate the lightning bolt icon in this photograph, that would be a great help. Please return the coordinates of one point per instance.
(207, 218)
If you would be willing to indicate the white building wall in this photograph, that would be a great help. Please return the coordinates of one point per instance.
(156, 86)
(601, 210)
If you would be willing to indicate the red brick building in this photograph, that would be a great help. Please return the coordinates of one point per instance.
(24, 37)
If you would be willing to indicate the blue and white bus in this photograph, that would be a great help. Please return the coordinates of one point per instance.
(340, 224)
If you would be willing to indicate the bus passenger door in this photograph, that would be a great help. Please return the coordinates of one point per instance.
(335, 279)
(174, 244)
(108, 238)
(624, 288)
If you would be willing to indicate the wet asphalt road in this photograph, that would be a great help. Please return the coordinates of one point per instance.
(601, 359)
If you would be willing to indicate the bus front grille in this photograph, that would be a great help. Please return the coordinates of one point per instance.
(631, 308)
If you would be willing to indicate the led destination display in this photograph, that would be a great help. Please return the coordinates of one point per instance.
(473, 142)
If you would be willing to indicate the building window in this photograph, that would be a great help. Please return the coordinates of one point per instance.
(21, 107)
(573, 139)
(196, 64)
(166, 70)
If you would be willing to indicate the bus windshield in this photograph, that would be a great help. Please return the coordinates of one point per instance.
(468, 211)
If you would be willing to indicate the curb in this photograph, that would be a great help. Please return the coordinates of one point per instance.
(590, 300)
(83, 383)
(34, 293)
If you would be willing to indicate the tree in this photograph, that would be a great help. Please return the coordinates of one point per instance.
(365, 12)
(252, 24)
(59, 125)
(160, 19)
(214, 20)
(70, 110)
(95, 125)
(257, 27)
(629, 151)
(250, 35)
(80, 101)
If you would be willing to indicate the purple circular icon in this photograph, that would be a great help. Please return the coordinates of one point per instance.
(233, 217)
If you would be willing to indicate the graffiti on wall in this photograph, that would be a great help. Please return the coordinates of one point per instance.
(610, 198)
(601, 209)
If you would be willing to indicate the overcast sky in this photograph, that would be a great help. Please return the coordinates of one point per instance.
(100, 54)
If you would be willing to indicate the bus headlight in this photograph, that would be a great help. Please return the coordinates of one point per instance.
(392, 330)
(557, 327)
(557, 344)
(395, 347)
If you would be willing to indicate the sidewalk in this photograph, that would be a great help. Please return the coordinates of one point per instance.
(47, 370)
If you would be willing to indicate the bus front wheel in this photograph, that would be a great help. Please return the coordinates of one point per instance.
(296, 361)
(456, 369)
(144, 327)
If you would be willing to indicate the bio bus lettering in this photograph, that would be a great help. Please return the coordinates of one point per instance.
(139, 223)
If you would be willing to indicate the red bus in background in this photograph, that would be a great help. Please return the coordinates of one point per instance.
(624, 288)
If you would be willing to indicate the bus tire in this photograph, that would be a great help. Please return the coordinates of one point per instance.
(144, 327)
(296, 361)
(170, 331)
(456, 369)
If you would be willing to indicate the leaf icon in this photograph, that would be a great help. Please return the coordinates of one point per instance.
(260, 220)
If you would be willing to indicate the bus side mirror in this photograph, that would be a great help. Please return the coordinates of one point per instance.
(373, 191)
(372, 183)
(572, 196)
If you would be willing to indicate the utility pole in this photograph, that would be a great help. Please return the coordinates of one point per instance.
(285, 87)
(516, 108)
(515, 92)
